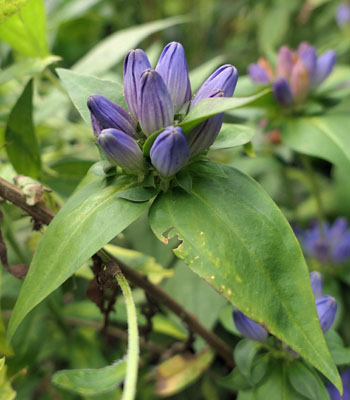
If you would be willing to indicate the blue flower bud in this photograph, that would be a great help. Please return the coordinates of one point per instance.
(249, 328)
(155, 108)
(334, 392)
(282, 92)
(224, 78)
(343, 14)
(316, 284)
(203, 135)
(135, 63)
(324, 67)
(326, 309)
(285, 62)
(106, 114)
(122, 149)
(170, 151)
(307, 54)
(172, 67)
(258, 74)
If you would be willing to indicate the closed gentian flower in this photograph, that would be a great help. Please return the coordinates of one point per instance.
(224, 78)
(172, 67)
(324, 67)
(170, 151)
(282, 92)
(316, 284)
(258, 74)
(248, 328)
(343, 15)
(203, 135)
(307, 54)
(122, 149)
(135, 63)
(326, 309)
(155, 108)
(106, 114)
(285, 62)
(334, 392)
(299, 81)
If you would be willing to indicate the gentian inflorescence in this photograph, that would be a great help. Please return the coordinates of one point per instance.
(296, 73)
(330, 245)
(326, 307)
(158, 99)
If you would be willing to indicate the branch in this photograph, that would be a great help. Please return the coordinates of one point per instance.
(44, 215)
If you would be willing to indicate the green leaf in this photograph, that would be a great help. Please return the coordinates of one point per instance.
(91, 381)
(6, 391)
(25, 30)
(81, 86)
(8, 8)
(138, 193)
(244, 354)
(22, 147)
(233, 135)
(25, 67)
(230, 231)
(339, 353)
(306, 382)
(91, 218)
(114, 48)
(205, 109)
(184, 180)
(234, 381)
(325, 137)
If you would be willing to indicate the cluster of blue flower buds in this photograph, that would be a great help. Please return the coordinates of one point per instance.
(329, 244)
(326, 308)
(157, 100)
(296, 74)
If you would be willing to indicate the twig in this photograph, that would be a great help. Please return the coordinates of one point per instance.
(41, 213)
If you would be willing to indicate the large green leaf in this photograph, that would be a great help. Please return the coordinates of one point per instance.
(235, 237)
(232, 135)
(91, 381)
(8, 8)
(90, 219)
(324, 136)
(81, 86)
(114, 48)
(22, 147)
(25, 30)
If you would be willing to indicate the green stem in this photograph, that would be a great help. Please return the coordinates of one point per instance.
(316, 193)
(133, 340)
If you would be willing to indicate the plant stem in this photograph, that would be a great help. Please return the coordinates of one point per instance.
(316, 193)
(133, 340)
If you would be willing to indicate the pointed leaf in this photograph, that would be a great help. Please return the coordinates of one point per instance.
(90, 219)
(81, 86)
(22, 147)
(233, 135)
(88, 382)
(324, 136)
(235, 237)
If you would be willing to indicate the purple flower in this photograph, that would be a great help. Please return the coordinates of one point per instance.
(172, 67)
(106, 114)
(316, 284)
(282, 92)
(324, 67)
(307, 54)
(333, 391)
(285, 62)
(170, 151)
(224, 78)
(332, 245)
(155, 108)
(258, 74)
(326, 309)
(343, 15)
(135, 63)
(248, 328)
(122, 149)
(299, 81)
